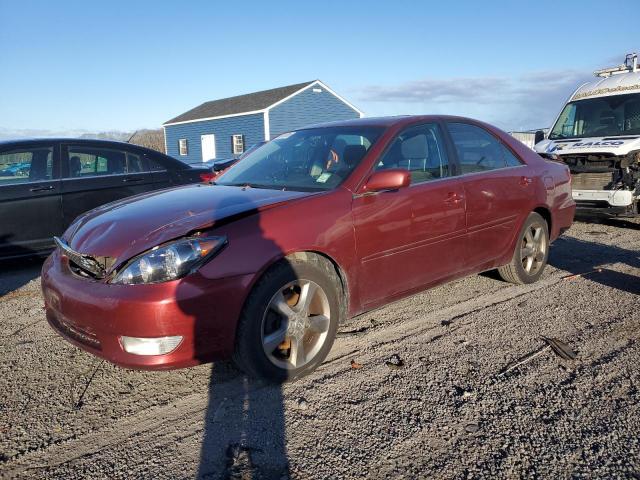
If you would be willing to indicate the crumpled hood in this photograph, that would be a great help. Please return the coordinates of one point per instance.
(620, 145)
(123, 229)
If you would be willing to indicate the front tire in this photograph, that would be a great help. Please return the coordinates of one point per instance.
(289, 321)
(531, 252)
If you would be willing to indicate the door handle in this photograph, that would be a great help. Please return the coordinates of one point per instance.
(41, 189)
(453, 198)
(132, 179)
(525, 181)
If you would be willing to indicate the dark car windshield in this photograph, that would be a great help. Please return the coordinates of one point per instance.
(306, 160)
(599, 117)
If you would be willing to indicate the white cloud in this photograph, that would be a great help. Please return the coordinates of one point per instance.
(529, 101)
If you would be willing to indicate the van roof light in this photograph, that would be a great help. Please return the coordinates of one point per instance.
(630, 65)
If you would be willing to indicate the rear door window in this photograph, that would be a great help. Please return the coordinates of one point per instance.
(88, 161)
(24, 165)
(478, 150)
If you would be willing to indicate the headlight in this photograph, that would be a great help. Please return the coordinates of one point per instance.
(169, 262)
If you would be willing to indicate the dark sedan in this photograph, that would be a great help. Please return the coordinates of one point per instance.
(46, 183)
(318, 225)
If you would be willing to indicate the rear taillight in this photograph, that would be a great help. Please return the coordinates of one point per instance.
(208, 176)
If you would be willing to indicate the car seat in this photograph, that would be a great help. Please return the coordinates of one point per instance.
(75, 167)
(38, 169)
(632, 116)
(353, 154)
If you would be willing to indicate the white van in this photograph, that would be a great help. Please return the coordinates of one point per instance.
(597, 135)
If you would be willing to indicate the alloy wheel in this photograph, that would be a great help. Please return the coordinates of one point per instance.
(295, 324)
(533, 248)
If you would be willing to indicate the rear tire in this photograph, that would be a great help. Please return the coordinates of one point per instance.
(289, 321)
(531, 252)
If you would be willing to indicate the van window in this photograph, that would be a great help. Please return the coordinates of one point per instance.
(599, 117)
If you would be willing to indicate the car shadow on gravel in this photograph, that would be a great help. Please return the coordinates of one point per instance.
(244, 434)
(590, 260)
(244, 424)
(609, 221)
(17, 272)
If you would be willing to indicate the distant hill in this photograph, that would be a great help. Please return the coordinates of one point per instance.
(112, 135)
(145, 137)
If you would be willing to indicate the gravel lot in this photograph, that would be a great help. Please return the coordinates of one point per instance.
(460, 406)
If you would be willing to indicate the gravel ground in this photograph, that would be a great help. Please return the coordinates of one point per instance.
(478, 394)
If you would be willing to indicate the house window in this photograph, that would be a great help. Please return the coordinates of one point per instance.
(237, 142)
(183, 146)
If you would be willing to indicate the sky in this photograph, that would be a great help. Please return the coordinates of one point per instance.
(75, 66)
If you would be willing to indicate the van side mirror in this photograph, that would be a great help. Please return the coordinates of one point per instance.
(539, 137)
(391, 179)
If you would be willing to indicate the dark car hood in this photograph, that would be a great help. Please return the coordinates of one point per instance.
(123, 229)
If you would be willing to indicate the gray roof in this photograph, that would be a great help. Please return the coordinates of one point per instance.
(240, 104)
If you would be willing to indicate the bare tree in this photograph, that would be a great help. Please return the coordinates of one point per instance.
(153, 139)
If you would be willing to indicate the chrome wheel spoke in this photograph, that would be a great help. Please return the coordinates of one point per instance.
(527, 252)
(537, 235)
(273, 339)
(307, 292)
(528, 237)
(319, 323)
(280, 305)
(539, 257)
(528, 264)
(297, 353)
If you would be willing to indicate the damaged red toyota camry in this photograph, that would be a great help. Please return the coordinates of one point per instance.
(319, 225)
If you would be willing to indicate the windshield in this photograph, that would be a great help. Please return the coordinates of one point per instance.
(599, 117)
(306, 160)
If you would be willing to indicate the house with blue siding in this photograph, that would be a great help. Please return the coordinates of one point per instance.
(226, 128)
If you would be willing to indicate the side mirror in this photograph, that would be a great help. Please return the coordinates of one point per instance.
(539, 137)
(392, 179)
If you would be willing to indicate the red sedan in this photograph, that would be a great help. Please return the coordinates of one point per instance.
(319, 225)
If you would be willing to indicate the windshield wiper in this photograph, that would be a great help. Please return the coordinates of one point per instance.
(249, 185)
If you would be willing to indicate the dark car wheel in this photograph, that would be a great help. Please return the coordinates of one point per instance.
(289, 320)
(531, 252)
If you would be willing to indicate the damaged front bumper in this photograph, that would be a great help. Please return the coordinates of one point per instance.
(605, 183)
(612, 198)
(607, 202)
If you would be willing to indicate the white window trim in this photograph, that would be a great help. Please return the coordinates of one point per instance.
(186, 147)
(166, 148)
(233, 143)
(267, 126)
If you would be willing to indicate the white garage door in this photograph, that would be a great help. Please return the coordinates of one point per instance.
(208, 147)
